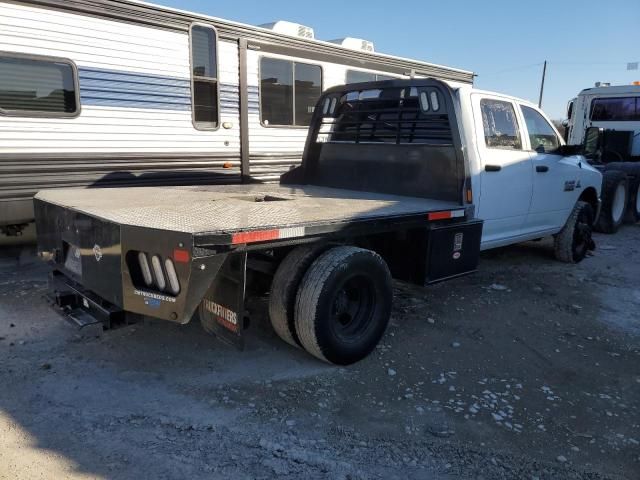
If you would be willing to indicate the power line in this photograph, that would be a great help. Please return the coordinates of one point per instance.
(552, 63)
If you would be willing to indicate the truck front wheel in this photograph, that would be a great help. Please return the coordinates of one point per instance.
(343, 305)
(574, 240)
(615, 189)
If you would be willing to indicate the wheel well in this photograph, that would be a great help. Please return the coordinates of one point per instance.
(590, 196)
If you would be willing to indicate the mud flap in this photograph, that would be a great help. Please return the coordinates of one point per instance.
(222, 310)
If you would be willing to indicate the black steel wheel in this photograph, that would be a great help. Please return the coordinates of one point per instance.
(575, 240)
(343, 305)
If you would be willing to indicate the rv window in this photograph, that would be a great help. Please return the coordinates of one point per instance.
(34, 86)
(541, 134)
(308, 88)
(615, 109)
(500, 124)
(204, 72)
(288, 92)
(276, 91)
(356, 76)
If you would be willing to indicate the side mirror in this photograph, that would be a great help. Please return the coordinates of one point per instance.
(569, 150)
(540, 149)
(593, 141)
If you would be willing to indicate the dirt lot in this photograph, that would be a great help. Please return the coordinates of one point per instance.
(528, 369)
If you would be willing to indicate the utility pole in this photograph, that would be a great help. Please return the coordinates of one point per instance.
(544, 73)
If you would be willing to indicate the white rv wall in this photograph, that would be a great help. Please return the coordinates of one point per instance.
(108, 55)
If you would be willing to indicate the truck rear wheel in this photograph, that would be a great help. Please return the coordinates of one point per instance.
(574, 240)
(633, 207)
(632, 170)
(615, 188)
(282, 299)
(343, 305)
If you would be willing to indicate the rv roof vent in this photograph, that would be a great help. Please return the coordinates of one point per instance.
(355, 44)
(290, 28)
(603, 84)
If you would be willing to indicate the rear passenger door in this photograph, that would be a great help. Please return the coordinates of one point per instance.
(506, 183)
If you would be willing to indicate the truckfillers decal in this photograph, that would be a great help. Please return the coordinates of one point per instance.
(226, 317)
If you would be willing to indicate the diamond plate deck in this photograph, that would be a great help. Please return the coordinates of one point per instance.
(233, 208)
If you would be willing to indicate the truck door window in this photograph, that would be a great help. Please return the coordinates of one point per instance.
(500, 124)
(622, 109)
(541, 133)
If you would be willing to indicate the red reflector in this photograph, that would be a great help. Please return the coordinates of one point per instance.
(259, 236)
(181, 256)
(439, 215)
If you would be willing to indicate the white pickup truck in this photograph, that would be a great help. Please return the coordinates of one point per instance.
(397, 180)
(526, 182)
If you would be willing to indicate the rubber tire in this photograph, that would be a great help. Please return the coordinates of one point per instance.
(632, 214)
(565, 247)
(610, 182)
(315, 301)
(284, 288)
(632, 169)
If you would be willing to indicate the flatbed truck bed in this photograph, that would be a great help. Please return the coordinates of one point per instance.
(220, 212)
(328, 239)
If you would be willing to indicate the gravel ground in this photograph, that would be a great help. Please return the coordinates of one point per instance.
(528, 369)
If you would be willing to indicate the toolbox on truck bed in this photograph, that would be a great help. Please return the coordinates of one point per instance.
(379, 174)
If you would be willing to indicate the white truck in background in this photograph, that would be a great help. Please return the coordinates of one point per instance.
(607, 119)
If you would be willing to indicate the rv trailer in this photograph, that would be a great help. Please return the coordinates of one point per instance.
(120, 92)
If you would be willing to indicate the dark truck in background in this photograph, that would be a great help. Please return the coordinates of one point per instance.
(328, 239)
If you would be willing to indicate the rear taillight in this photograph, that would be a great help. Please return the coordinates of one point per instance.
(174, 284)
(158, 274)
(155, 272)
(144, 268)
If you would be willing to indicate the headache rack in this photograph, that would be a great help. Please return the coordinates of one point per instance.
(397, 137)
(396, 115)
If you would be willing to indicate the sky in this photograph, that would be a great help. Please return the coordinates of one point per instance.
(504, 42)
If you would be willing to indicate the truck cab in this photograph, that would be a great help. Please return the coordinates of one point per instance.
(613, 108)
(525, 181)
(607, 119)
